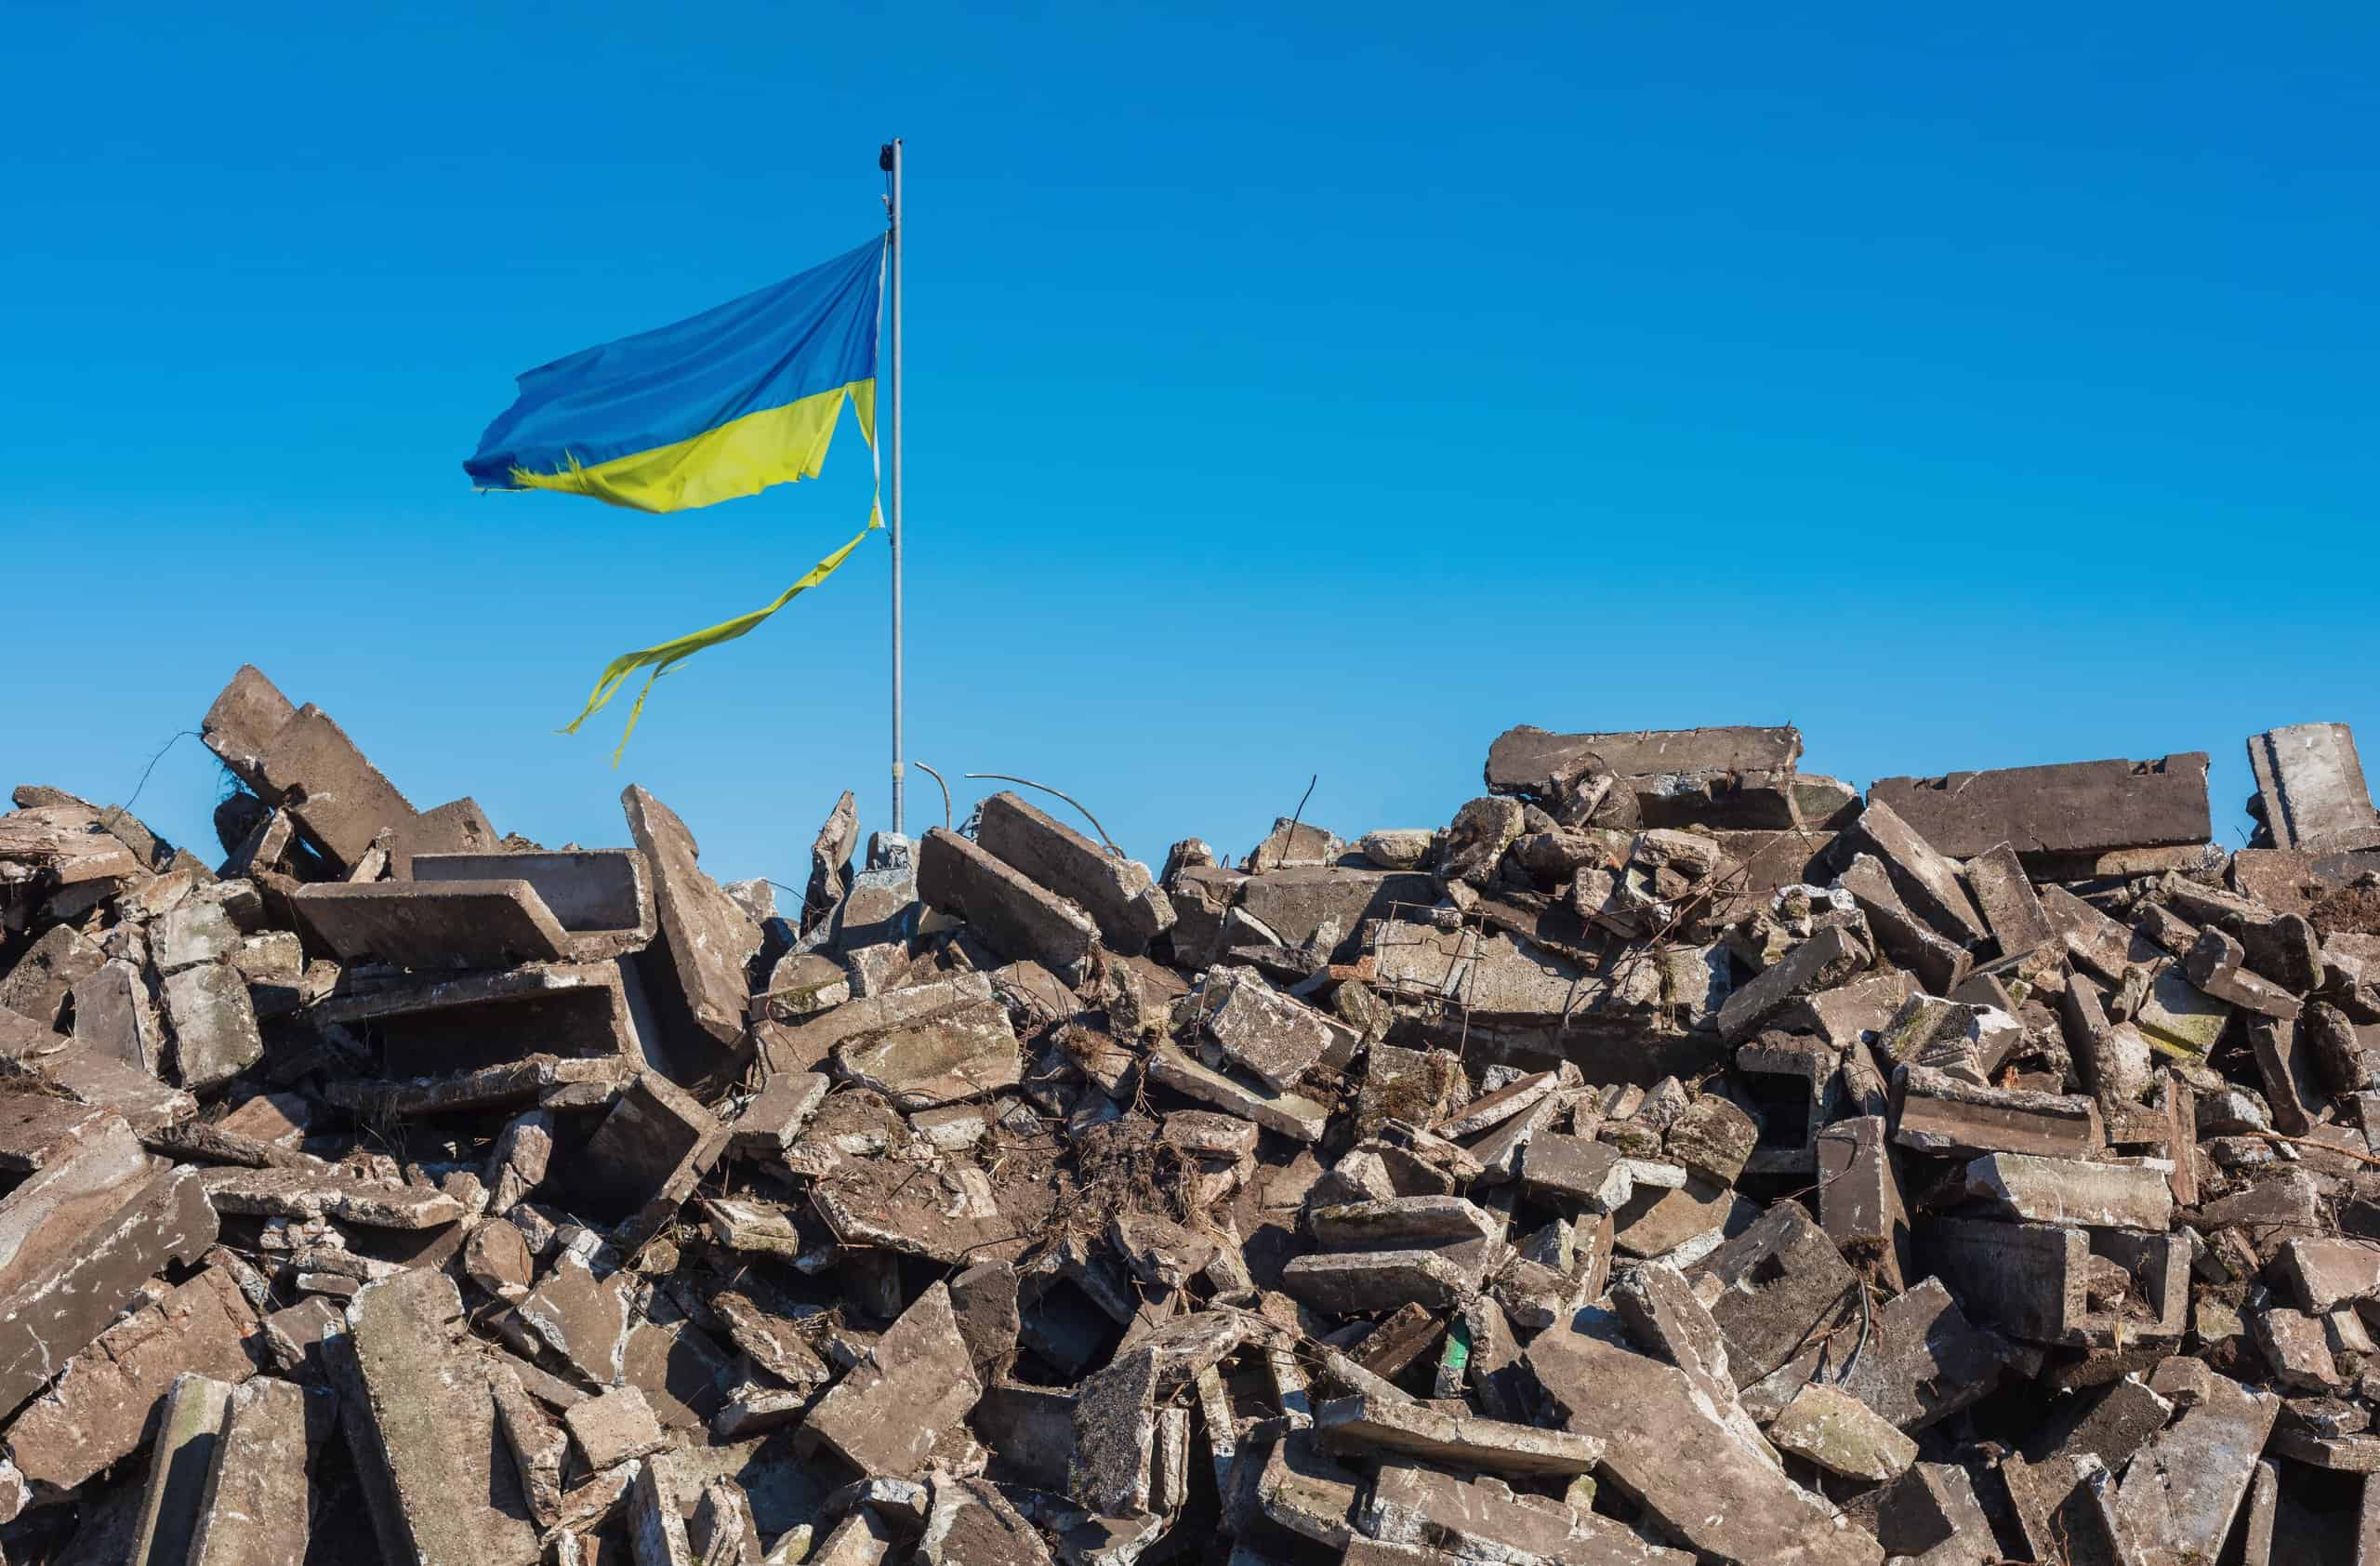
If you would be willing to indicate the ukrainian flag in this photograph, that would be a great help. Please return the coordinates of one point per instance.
(720, 405)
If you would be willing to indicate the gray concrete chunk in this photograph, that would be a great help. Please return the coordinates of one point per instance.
(601, 898)
(1016, 916)
(421, 1424)
(1925, 879)
(916, 1382)
(2310, 782)
(709, 940)
(1668, 1449)
(434, 924)
(2072, 807)
(259, 1503)
(1372, 1424)
(180, 1458)
(1116, 891)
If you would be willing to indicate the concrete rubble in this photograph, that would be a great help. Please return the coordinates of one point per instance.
(1671, 1156)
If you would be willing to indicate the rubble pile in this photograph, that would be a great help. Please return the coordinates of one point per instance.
(1676, 1157)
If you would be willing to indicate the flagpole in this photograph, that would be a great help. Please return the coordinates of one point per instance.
(890, 160)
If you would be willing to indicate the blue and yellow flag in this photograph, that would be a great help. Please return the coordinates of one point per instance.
(720, 405)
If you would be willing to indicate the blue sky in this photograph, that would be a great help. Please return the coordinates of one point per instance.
(1295, 390)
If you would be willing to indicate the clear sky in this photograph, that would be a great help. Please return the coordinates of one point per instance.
(1295, 390)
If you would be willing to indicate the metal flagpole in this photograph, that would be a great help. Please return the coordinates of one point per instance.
(890, 161)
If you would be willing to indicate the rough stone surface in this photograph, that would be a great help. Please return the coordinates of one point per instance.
(421, 1424)
(709, 941)
(2072, 808)
(1118, 894)
(1019, 919)
(1668, 1449)
(918, 1380)
(257, 1510)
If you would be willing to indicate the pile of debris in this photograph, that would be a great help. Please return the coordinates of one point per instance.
(1678, 1157)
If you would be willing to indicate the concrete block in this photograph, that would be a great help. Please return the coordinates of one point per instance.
(2082, 1288)
(603, 897)
(339, 801)
(258, 1505)
(421, 1424)
(425, 924)
(1671, 1452)
(2069, 808)
(1940, 964)
(1118, 894)
(89, 1075)
(1828, 1427)
(708, 941)
(78, 1242)
(2005, 893)
(1297, 1118)
(214, 1025)
(181, 1456)
(1821, 963)
(2061, 1190)
(1934, 1112)
(1016, 916)
(435, 1024)
(240, 728)
(916, 1382)
(98, 1410)
(1365, 1425)
(1926, 880)
(1861, 1203)
(2310, 782)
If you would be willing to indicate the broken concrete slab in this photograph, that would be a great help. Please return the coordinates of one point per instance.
(98, 1410)
(1940, 964)
(2061, 1190)
(1927, 881)
(654, 1146)
(2310, 784)
(214, 1025)
(708, 941)
(434, 924)
(2069, 808)
(189, 1427)
(79, 1240)
(1828, 1427)
(338, 800)
(2186, 1485)
(422, 1426)
(1370, 1423)
(32, 1056)
(601, 898)
(1775, 1288)
(964, 1053)
(916, 1381)
(614, 1426)
(1016, 916)
(2085, 1287)
(1273, 1035)
(2002, 890)
(1118, 894)
(257, 1508)
(325, 1193)
(1861, 1203)
(433, 1025)
(1669, 1451)
(1300, 1119)
(1821, 963)
(1934, 1112)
